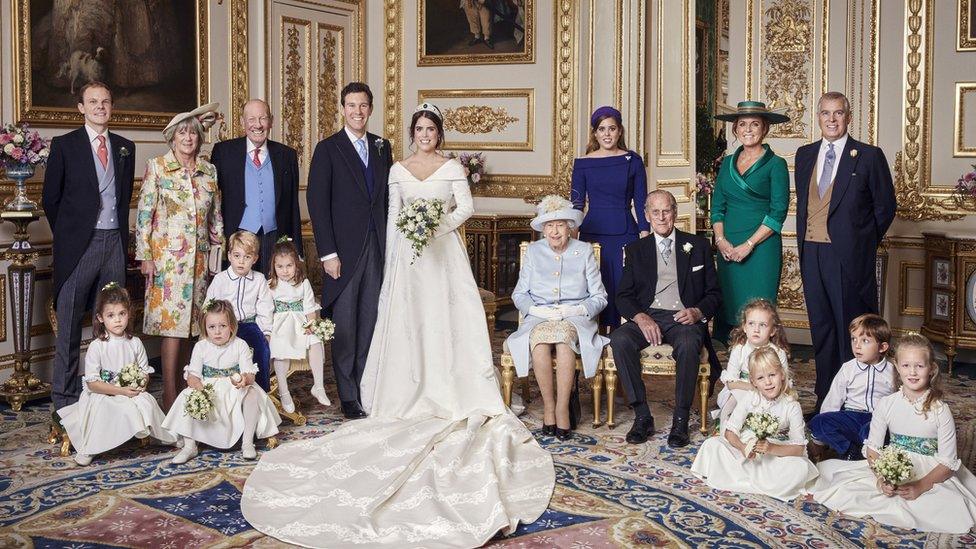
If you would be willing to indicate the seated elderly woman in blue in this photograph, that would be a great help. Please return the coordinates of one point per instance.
(559, 293)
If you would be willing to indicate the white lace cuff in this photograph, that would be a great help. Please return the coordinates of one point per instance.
(89, 379)
(951, 464)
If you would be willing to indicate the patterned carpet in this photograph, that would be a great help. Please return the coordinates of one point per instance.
(609, 493)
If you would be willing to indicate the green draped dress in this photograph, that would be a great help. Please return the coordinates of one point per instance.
(743, 202)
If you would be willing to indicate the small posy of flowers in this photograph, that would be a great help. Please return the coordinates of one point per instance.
(323, 328)
(417, 222)
(703, 184)
(474, 163)
(200, 403)
(687, 247)
(762, 424)
(966, 185)
(22, 145)
(131, 375)
(893, 466)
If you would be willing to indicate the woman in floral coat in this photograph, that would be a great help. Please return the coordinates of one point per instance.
(178, 222)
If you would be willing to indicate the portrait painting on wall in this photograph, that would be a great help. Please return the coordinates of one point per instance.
(151, 54)
(475, 32)
(967, 25)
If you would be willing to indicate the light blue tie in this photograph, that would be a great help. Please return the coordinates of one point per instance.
(828, 171)
(361, 148)
(666, 250)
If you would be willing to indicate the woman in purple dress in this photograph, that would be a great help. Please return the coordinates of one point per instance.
(610, 181)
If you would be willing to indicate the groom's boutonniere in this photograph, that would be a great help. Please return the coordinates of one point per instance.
(379, 143)
(687, 247)
(853, 153)
(123, 152)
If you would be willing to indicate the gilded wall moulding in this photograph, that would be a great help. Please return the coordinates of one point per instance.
(790, 294)
(967, 30)
(477, 119)
(915, 206)
(331, 59)
(294, 78)
(787, 62)
(961, 146)
(239, 89)
(393, 31)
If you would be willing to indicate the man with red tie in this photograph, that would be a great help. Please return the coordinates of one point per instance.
(87, 189)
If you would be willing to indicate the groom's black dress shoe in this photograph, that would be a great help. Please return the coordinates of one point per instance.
(642, 428)
(678, 438)
(352, 410)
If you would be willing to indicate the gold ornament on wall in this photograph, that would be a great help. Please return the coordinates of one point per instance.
(293, 96)
(790, 294)
(477, 119)
(912, 204)
(787, 61)
(328, 84)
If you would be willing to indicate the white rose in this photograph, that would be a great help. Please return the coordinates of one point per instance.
(8, 148)
(18, 139)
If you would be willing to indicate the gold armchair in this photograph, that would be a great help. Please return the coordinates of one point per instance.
(508, 365)
(657, 360)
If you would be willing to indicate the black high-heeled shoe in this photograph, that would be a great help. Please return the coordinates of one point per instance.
(564, 434)
(549, 430)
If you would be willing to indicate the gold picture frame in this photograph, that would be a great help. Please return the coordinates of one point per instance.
(445, 35)
(963, 145)
(483, 119)
(44, 77)
(967, 25)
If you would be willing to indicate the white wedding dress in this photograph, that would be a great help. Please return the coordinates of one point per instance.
(440, 462)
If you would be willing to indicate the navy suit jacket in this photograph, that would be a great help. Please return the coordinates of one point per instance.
(340, 206)
(229, 157)
(862, 207)
(71, 200)
(697, 282)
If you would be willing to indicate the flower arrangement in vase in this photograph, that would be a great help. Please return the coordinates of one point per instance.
(21, 151)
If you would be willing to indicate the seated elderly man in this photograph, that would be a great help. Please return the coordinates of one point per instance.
(560, 294)
(668, 292)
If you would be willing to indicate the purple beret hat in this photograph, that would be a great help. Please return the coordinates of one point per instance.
(603, 112)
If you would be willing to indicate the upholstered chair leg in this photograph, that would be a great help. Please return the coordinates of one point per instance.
(598, 382)
(611, 384)
(508, 378)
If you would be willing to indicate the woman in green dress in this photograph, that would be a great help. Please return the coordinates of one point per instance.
(749, 205)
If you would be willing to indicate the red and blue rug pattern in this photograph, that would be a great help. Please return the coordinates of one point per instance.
(609, 493)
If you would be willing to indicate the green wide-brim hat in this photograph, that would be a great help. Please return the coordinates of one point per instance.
(751, 108)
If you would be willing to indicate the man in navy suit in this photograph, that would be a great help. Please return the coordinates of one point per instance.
(668, 292)
(347, 202)
(845, 202)
(258, 180)
(87, 189)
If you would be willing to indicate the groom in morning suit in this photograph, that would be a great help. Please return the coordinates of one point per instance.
(668, 292)
(347, 201)
(87, 189)
(845, 202)
(258, 180)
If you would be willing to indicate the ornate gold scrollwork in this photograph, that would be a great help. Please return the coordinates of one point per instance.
(790, 294)
(328, 92)
(477, 119)
(788, 45)
(293, 96)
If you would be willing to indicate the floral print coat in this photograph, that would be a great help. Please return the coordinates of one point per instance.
(178, 221)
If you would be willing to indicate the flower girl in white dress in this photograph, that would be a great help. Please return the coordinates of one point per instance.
(294, 305)
(736, 461)
(107, 415)
(760, 326)
(241, 409)
(941, 497)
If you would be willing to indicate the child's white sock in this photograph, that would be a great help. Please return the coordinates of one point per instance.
(281, 372)
(250, 409)
(188, 452)
(316, 361)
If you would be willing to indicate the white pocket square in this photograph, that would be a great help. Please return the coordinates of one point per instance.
(697, 268)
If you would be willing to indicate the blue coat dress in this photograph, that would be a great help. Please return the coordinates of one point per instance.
(612, 188)
(570, 278)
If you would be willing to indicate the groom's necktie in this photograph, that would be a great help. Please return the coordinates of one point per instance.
(828, 170)
(361, 149)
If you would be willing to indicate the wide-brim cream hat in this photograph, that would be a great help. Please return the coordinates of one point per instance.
(556, 208)
(206, 114)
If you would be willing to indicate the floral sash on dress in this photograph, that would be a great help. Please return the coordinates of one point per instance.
(211, 372)
(919, 445)
(288, 306)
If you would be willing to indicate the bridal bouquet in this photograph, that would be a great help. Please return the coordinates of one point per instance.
(131, 375)
(417, 222)
(322, 328)
(762, 424)
(893, 466)
(200, 402)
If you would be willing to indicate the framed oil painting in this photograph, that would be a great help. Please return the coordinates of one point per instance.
(153, 55)
(475, 32)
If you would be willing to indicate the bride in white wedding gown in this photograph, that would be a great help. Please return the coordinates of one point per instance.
(440, 462)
